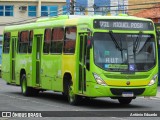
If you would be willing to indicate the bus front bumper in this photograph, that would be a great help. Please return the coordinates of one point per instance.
(96, 90)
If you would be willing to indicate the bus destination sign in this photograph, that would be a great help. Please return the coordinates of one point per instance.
(123, 25)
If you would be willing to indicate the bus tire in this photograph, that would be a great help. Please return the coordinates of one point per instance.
(73, 99)
(26, 91)
(125, 100)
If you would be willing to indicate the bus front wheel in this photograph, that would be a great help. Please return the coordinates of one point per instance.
(125, 100)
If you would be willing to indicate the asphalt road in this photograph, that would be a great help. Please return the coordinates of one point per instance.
(11, 99)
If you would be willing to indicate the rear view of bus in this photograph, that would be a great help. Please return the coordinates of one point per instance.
(124, 62)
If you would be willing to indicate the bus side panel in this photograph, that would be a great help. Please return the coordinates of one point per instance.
(69, 66)
(23, 61)
(6, 68)
(51, 76)
(6, 63)
(47, 71)
(29, 70)
(57, 83)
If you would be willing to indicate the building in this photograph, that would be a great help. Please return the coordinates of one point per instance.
(136, 6)
(145, 8)
(118, 7)
(152, 13)
(99, 7)
(23, 11)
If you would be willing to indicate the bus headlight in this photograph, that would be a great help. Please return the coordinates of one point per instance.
(99, 79)
(153, 80)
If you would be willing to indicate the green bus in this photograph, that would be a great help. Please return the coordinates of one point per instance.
(83, 57)
(0, 52)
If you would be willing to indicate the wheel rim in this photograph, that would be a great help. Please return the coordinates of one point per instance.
(23, 86)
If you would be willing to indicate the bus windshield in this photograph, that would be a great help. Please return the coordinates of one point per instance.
(124, 52)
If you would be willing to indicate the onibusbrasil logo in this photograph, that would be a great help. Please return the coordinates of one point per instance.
(21, 114)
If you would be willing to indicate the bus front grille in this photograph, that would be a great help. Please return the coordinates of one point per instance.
(114, 76)
(118, 91)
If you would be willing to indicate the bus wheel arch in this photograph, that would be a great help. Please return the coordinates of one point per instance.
(22, 72)
(67, 78)
(73, 99)
(26, 90)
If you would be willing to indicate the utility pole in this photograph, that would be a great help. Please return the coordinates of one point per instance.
(90, 7)
(72, 7)
(39, 9)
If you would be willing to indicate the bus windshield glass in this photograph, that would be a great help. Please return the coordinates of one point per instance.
(124, 52)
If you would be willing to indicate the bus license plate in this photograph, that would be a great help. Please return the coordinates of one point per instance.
(127, 94)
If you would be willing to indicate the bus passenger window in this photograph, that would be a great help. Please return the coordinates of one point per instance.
(6, 43)
(70, 40)
(23, 42)
(30, 41)
(47, 41)
(57, 40)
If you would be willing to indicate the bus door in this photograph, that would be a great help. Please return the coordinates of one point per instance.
(37, 64)
(13, 53)
(83, 59)
(158, 42)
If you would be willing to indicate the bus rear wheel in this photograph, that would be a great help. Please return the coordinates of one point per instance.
(125, 100)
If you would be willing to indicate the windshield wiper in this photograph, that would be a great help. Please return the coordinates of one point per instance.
(119, 46)
(115, 41)
(136, 42)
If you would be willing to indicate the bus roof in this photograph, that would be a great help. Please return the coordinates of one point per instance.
(64, 20)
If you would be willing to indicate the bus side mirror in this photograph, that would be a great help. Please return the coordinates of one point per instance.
(89, 42)
(89, 46)
(89, 38)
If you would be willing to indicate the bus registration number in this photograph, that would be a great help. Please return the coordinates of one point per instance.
(127, 94)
